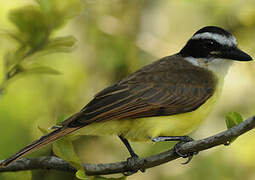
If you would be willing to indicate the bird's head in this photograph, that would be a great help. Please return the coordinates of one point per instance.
(213, 45)
(213, 42)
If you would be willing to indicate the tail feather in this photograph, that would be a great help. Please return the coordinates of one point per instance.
(48, 138)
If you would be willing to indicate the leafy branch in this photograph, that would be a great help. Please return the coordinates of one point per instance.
(223, 138)
(34, 36)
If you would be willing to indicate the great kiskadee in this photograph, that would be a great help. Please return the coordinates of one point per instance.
(163, 101)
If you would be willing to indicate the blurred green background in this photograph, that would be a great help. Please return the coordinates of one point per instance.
(114, 38)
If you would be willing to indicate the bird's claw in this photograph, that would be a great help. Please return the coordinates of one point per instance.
(133, 165)
(188, 155)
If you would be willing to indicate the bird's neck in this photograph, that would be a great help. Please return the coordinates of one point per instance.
(219, 67)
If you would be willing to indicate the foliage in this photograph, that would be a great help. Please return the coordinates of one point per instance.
(233, 119)
(34, 35)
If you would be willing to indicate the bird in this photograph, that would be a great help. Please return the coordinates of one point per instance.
(163, 101)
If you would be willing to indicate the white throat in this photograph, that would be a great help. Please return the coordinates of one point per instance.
(219, 66)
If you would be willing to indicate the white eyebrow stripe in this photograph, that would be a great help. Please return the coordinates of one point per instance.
(229, 41)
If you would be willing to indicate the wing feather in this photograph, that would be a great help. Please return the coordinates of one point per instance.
(166, 87)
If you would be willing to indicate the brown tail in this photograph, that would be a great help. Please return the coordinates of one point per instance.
(58, 133)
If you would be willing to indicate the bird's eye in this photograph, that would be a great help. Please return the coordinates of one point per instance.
(209, 44)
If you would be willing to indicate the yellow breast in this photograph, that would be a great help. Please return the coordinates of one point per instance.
(143, 129)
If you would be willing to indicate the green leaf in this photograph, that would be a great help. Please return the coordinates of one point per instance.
(60, 44)
(32, 25)
(41, 70)
(233, 119)
(44, 131)
(61, 118)
(63, 148)
(14, 36)
(81, 175)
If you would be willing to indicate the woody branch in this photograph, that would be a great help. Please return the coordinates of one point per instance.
(54, 163)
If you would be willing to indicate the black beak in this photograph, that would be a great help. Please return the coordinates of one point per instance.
(235, 54)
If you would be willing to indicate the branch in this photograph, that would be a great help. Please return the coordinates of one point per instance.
(55, 163)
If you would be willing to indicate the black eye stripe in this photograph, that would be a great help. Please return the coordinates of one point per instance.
(208, 43)
(202, 48)
(212, 44)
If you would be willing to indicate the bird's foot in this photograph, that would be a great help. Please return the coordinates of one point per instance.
(133, 165)
(190, 155)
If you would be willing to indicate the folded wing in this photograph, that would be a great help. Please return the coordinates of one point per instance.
(166, 87)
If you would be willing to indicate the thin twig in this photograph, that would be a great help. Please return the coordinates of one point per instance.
(55, 163)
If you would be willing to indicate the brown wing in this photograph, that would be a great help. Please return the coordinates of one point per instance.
(168, 86)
